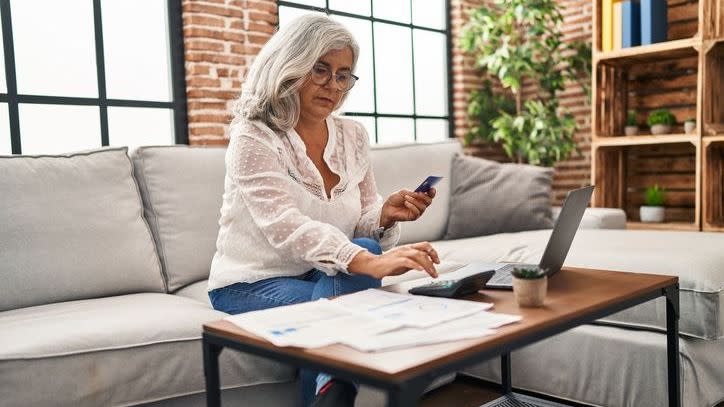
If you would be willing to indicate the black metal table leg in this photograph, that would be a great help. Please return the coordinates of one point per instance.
(672, 344)
(211, 371)
(505, 373)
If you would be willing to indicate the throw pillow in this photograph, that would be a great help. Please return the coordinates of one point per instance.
(489, 197)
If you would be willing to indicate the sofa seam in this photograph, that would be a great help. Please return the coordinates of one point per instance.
(75, 154)
(103, 349)
(160, 247)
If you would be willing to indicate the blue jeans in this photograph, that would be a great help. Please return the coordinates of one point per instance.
(277, 291)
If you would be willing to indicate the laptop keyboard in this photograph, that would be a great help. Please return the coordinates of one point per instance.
(504, 276)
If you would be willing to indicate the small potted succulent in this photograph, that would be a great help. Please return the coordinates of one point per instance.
(632, 128)
(653, 211)
(529, 286)
(689, 125)
(661, 121)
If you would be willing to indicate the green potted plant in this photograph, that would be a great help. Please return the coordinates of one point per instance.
(689, 125)
(661, 121)
(632, 128)
(520, 42)
(653, 210)
(529, 286)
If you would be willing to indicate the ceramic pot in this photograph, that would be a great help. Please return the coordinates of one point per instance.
(530, 292)
(631, 130)
(689, 127)
(651, 214)
(660, 129)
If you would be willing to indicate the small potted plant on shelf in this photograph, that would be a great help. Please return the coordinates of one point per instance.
(653, 211)
(529, 286)
(689, 125)
(661, 121)
(632, 128)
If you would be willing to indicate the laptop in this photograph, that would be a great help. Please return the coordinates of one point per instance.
(558, 245)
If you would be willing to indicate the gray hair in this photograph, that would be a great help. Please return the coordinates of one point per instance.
(270, 92)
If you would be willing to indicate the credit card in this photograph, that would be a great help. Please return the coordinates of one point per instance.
(428, 183)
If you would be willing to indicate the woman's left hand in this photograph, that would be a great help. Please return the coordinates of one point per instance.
(405, 206)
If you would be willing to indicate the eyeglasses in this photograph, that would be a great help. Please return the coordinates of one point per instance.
(321, 75)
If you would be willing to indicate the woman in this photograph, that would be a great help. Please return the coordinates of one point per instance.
(301, 218)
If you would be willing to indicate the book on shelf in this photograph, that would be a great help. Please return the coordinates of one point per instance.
(607, 25)
(616, 19)
(631, 23)
(654, 21)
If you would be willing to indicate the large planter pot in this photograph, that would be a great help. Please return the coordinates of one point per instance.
(660, 129)
(631, 130)
(689, 127)
(651, 214)
(530, 293)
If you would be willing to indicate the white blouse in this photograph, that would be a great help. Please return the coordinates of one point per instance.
(276, 219)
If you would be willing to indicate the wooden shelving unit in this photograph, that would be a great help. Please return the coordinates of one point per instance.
(685, 75)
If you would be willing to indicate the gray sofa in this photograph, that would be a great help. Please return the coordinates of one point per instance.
(104, 261)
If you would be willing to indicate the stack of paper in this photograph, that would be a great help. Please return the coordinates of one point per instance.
(373, 320)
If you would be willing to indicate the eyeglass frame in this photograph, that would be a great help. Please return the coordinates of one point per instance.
(329, 77)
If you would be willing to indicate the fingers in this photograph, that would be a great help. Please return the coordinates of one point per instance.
(417, 202)
(421, 257)
(432, 192)
(427, 248)
(415, 211)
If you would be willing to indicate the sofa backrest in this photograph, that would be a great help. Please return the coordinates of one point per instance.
(182, 190)
(405, 166)
(72, 228)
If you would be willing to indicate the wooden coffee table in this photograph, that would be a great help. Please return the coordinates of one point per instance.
(575, 297)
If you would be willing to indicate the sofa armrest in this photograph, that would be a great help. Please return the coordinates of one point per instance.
(599, 218)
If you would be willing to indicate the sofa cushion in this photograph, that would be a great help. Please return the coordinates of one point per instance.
(609, 366)
(182, 190)
(72, 228)
(489, 197)
(405, 166)
(696, 258)
(115, 351)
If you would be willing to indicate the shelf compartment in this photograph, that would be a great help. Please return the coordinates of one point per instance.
(713, 87)
(683, 23)
(669, 83)
(713, 183)
(622, 173)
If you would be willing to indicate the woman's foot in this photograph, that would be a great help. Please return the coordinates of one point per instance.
(335, 393)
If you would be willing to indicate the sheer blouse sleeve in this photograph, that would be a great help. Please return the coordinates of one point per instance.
(371, 202)
(262, 182)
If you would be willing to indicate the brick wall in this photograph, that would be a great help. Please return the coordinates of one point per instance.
(223, 36)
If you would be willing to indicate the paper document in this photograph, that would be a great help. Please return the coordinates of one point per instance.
(310, 324)
(470, 327)
(372, 320)
(407, 309)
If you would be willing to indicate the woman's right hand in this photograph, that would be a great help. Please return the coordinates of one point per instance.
(418, 256)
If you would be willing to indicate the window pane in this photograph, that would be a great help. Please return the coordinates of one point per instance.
(392, 10)
(361, 97)
(137, 60)
(5, 144)
(139, 126)
(3, 85)
(355, 7)
(393, 64)
(431, 130)
(369, 124)
(315, 3)
(55, 47)
(394, 130)
(287, 14)
(430, 77)
(429, 13)
(53, 129)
